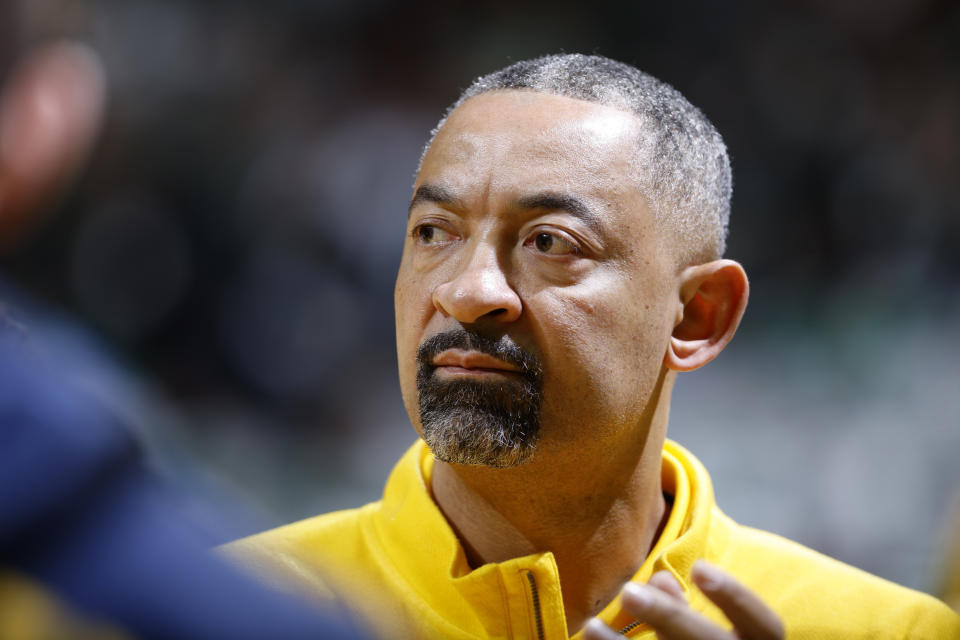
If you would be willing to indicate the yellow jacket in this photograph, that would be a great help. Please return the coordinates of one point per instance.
(400, 564)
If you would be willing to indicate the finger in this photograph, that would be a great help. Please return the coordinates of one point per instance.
(670, 617)
(665, 581)
(595, 629)
(752, 619)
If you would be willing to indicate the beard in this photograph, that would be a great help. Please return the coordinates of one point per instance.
(496, 424)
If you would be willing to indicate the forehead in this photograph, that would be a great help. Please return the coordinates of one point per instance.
(516, 139)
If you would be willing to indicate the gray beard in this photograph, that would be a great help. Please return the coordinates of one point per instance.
(480, 423)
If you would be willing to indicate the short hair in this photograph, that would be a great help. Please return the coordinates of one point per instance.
(683, 164)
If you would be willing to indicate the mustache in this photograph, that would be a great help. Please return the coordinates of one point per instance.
(502, 348)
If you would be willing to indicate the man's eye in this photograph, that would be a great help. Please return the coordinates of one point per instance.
(430, 234)
(553, 244)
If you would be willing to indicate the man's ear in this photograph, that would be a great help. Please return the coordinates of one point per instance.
(713, 297)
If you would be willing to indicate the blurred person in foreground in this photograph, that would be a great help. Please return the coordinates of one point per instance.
(562, 263)
(92, 543)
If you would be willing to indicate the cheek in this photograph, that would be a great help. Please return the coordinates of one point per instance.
(602, 353)
(416, 318)
(412, 310)
(602, 320)
(413, 307)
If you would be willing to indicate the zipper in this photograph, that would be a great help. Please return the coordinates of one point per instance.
(538, 617)
(630, 627)
(535, 597)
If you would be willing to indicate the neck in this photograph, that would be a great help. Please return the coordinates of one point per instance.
(598, 511)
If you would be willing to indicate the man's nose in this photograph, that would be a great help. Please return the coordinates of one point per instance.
(478, 291)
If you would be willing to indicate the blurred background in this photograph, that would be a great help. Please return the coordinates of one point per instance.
(222, 270)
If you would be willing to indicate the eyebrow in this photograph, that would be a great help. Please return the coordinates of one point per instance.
(560, 202)
(435, 194)
(543, 200)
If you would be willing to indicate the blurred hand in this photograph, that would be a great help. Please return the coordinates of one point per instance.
(660, 604)
(50, 111)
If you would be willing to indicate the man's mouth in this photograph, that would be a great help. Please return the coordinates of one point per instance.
(474, 357)
(460, 362)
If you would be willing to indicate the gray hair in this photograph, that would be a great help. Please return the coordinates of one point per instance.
(683, 164)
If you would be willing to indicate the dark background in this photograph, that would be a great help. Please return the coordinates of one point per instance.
(231, 246)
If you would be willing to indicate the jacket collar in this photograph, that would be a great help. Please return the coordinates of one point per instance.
(425, 551)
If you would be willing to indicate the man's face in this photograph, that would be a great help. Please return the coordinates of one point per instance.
(536, 297)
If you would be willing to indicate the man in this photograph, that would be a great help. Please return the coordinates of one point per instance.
(562, 264)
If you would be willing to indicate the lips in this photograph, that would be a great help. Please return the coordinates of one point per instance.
(459, 353)
(462, 361)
